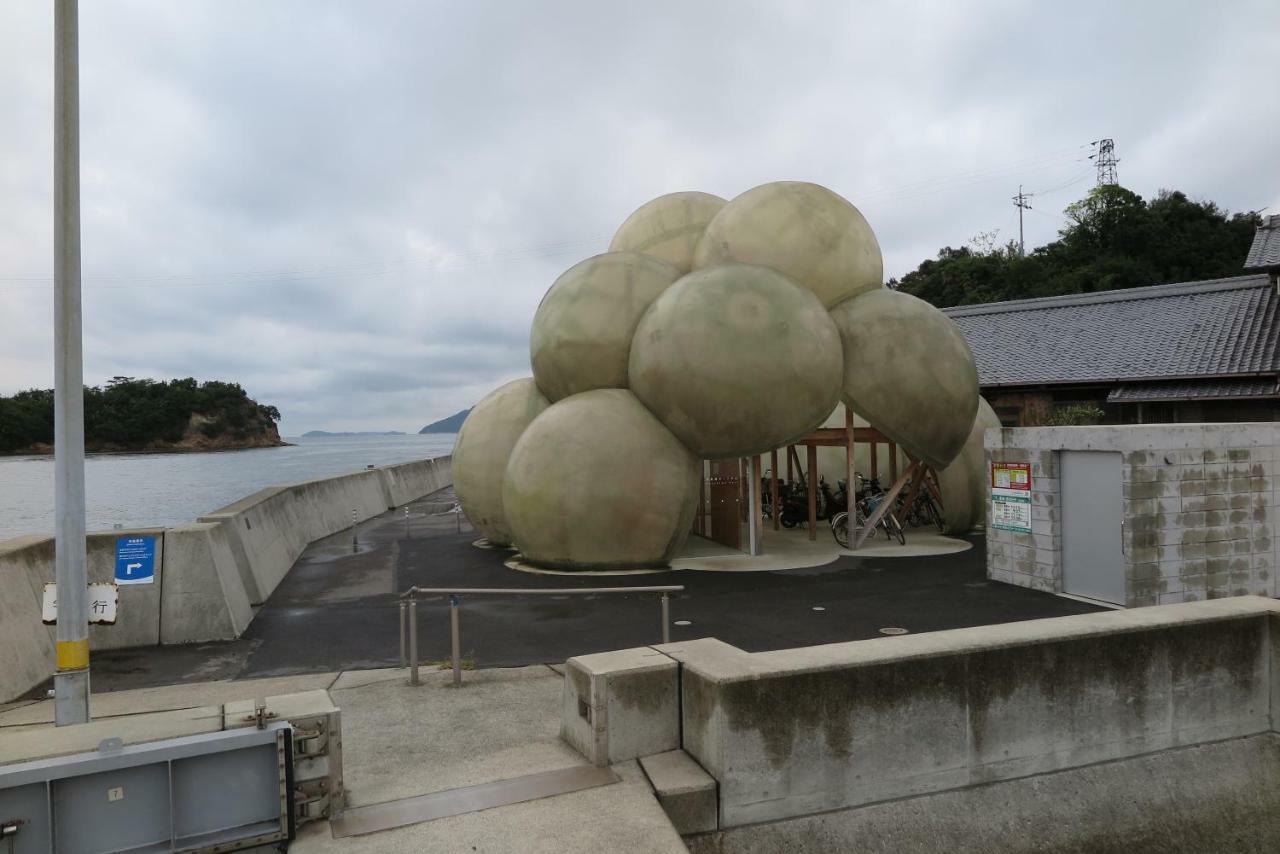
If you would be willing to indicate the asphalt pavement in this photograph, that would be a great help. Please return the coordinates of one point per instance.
(338, 608)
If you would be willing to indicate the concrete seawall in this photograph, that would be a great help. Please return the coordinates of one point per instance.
(807, 740)
(208, 574)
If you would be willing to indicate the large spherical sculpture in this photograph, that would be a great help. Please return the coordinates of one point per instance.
(909, 372)
(965, 483)
(596, 482)
(668, 227)
(483, 447)
(736, 360)
(804, 231)
(582, 330)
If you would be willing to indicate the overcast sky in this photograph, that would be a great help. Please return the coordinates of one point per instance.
(353, 208)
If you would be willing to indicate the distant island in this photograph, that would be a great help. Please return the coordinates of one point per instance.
(312, 434)
(452, 424)
(130, 415)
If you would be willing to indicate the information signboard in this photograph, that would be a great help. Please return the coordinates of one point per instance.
(1011, 496)
(135, 560)
(104, 602)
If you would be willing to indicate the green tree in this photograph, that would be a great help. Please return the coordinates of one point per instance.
(1113, 239)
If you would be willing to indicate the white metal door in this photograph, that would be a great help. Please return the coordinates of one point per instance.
(1092, 516)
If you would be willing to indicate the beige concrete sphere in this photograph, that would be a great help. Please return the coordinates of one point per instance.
(965, 484)
(736, 360)
(668, 227)
(596, 482)
(909, 372)
(482, 449)
(582, 330)
(806, 232)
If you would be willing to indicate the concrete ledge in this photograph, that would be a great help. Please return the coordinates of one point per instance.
(686, 792)
(796, 732)
(621, 705)
(1216, 797)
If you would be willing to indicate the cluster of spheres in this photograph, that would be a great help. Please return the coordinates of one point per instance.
(711, 329)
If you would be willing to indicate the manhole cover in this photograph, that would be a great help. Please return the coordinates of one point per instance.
(683, 623)
(893, 630)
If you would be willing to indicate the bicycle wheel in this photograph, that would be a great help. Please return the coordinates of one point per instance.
(895, 529)
(840, 529)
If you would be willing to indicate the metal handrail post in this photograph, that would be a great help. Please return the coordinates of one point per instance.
(404, 615)
(666, 618)
(413, 641)
(455, 642)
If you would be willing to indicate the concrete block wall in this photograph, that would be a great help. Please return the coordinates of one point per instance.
(209, 574)
(805, 731)
(1200, 504)
(1029, 560)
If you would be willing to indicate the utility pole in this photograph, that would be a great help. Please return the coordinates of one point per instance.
(1022, 202)
(71, 680)
(1106, 160)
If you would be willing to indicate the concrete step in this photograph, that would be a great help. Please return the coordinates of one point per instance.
(686, 792)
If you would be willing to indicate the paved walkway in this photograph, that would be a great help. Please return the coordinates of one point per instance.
(400, 741)
(337, 609)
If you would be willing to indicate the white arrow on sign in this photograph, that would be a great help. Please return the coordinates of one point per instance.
(130, 567)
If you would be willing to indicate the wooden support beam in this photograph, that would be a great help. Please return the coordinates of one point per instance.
(791, 452)
(755, 538)
(917, 483)
(885, 505)
(702, 499)
(835, 436)
(893, 460)
(875, 460)
(799, 468)
(773, 488)
(812, 480)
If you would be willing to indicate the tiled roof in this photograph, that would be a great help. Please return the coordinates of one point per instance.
(1214, 328)
(1251, 387)
(1265, 251)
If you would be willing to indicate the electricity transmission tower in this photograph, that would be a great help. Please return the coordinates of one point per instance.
(1022, 202)
(1106, 160)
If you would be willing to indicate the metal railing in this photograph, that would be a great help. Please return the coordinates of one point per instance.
(409, 615)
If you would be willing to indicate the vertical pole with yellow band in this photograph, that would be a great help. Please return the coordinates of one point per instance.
(71, 680)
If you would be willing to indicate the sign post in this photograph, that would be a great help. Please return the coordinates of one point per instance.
(1011, 496)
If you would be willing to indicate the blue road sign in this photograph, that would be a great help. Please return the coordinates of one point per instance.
(135, 560)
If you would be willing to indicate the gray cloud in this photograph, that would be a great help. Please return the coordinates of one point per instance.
(353, 209)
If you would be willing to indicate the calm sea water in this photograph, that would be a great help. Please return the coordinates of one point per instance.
(143, 490)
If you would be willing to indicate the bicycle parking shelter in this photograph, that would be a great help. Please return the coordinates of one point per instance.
(729, 497)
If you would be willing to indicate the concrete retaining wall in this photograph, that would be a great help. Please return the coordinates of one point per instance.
(208, 574)
(799, 732)
(408, 481)
(1200, 506)
(204, 598)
